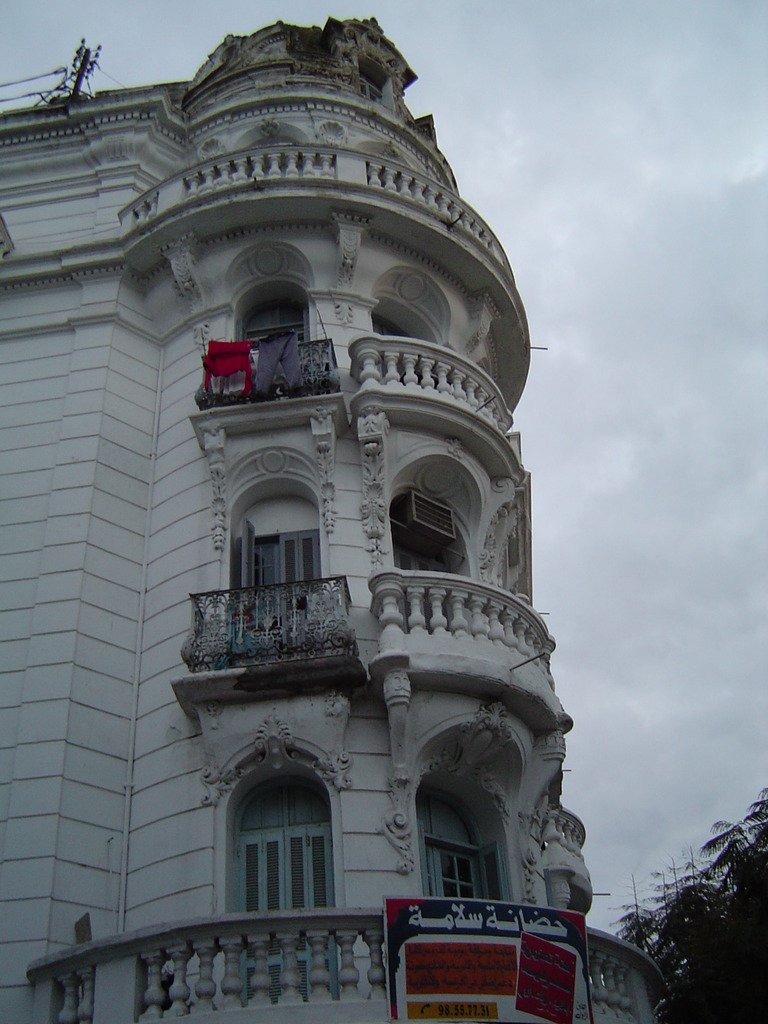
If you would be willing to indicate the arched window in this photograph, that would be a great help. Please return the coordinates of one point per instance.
(454, 864)
(279, 543)
(381, 325)
(278, 316)
(284, 850)
(424, 536)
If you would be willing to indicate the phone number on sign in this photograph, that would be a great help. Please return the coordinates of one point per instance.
(453, 1011)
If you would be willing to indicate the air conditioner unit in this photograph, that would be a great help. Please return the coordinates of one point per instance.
(422, 524)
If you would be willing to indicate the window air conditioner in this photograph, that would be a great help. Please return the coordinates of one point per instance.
(422, 524)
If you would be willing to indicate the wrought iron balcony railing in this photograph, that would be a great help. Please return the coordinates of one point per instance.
(319, 376)
(286, 622)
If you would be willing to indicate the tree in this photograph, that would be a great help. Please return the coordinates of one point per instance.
(707, 926)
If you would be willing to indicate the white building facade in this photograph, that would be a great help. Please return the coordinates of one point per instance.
(363, 705)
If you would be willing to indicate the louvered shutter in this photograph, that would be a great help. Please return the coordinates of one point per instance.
(300, 555)
(251, 885)
(246, 556)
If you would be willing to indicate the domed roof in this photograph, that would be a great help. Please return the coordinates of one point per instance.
(344, 54)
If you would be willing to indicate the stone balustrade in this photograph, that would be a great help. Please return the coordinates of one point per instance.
(421, 190)
(315, 962)
(314, 965)
(451, 632)
(626, 983)
(572, 831)
(265, 167)
(431, 371)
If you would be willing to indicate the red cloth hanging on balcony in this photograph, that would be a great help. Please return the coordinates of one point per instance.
(225, 358)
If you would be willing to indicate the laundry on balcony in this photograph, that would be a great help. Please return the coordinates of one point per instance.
(227, 367)
(279, 349)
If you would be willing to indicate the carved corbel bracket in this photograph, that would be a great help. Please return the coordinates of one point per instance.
(214, 440)
(502, 526)
(182, 257)
(372, 429)
(324, 434)
(397, 828)
(349, 234)
(484, 313)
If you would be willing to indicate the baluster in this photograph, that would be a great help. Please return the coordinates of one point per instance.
(437, 620)
(272, 165)
(154, 994)
(240, 169)
(484, 400)
(428, 197)
(388, 182)
(402, 184)
(191, 185)
(613, 996)
(232, 983)
(291, 166)
(376, 976)
(425, 370)
(290, 979)
(519, 628)
(530, 639)
(206, 181)
(71, 985)
(507, 618)
(205, 987)
(457, 380)
(327, 165)
(457, 601)
(495, 628)
(409, 377)
(599, 993)
(469, 388)
(258, 166)
(442, 370)
(390, 595)
(393, 374)
(371, 365)
(372, 174)
(416, 621)
(442, 203)
(258, 946)
(479, 622)
(625, 1003)
(348, 973)
(319, 976)
(85, 1010)
(179, 990)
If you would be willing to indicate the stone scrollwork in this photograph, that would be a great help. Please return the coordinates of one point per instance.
(349, 236)
(396, 827)
(216, 783)
(372, 427)
(181, 257)
(213, 446)
(273, 743)
(502, 526)
(531, 824)
(335, 768)
(484, 313)
(325, 445)
(337, 705)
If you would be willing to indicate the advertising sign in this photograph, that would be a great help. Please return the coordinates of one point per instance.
(476, 960)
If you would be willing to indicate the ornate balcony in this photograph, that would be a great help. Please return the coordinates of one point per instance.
(455, 633)
(418, 383)
(266, 637)
(313, 965)
(319, 376)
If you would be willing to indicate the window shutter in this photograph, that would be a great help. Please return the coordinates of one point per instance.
(298, 898)
(288, 543)
(494, 877)
(246, 556)
(274, 866)
(252, 876)
(319, 852)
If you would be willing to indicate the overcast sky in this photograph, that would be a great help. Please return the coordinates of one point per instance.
(619, 150)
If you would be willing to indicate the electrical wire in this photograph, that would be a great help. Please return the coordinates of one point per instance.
(43, 74)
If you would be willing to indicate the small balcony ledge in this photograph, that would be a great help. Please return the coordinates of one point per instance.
(419, 383)
(285, 638)
(454, 633)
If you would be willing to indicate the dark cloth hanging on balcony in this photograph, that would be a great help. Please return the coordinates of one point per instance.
(225, 358)
(283, 349)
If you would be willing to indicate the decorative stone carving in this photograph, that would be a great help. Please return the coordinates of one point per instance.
(213, 710)
(6, 242)
(397, 828)
(324, 433)
(213, 446)
(181, 255)
(333, 133)
(216, 783)
(349, 233)
(334, 768)
(343, 311)
(202, 335)
(455, 448)
(397, 697)
(484, 313)
(269, 128)
(372, 428)
(502, 526)
(272, 742)
(531, 825)
(337, 705)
